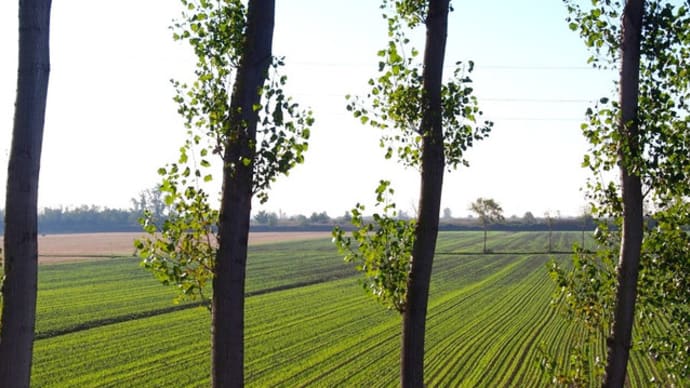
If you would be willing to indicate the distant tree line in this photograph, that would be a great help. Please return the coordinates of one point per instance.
(528, 222)
(85, 219)
(94, 219)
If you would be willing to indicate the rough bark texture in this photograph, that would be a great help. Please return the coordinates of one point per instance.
(414, 318)
(227, 368)
(631, 240)
(21, 248)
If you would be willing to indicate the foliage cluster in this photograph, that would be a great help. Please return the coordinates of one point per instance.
(84, 293)
(381, 249)
(396, 98)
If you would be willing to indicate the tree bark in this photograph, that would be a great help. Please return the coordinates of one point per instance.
(433, 162)
(631, 238)
(20, 242)
(227, 369)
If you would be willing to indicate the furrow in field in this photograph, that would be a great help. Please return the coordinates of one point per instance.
(84, 294)
(456, 272)
(102, 351)
(275, 350)
(525, 370)
(310, 365)
(452, 307)
(353, 357)
(551, 334)
(507, 359)
(449, 329)
(503, 322)
(459, 241)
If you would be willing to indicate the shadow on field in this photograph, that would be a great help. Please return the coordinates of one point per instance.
(514, 253)
(151, 313)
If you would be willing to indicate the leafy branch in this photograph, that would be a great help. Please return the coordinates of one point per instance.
(381, 249)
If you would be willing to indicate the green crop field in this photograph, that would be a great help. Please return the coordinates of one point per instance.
(309, 323)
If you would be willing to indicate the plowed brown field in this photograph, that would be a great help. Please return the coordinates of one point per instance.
(69, 247)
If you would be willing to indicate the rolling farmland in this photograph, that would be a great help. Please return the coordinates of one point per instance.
(109, 323)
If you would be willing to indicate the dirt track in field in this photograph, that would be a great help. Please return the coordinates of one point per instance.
(70, 247)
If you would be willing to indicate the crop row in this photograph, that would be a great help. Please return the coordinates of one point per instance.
(508, 242)
(488, 314)
(335, 301)
(78, 294)
(87, 293)
(472, 337)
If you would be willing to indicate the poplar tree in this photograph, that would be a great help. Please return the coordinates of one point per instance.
(641, 264)
(427, 124)
(235, 111)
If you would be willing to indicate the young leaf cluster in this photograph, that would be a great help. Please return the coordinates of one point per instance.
(585, 293)
(663, 120)
(396, 98)
(217, 35)
(665, 288)
(283, 133)
(180, 248)
(411, 12)
(578, 370)
(381, 249)
(599, 27)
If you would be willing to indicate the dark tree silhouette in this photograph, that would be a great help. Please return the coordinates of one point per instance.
(20, 241)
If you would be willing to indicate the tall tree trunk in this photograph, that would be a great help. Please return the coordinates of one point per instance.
(433, 162)
(21, 247)
(631, 239)
(227, 368)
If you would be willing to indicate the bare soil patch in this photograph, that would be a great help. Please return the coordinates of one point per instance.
(257, 238)
(55, 248)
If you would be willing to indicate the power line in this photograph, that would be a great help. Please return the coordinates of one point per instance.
(534, 119)
(539, 100)
(534, 67)
(490, 99)
(477, 66)
(494, 119)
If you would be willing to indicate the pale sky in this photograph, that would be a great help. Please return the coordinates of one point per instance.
(111, 122)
